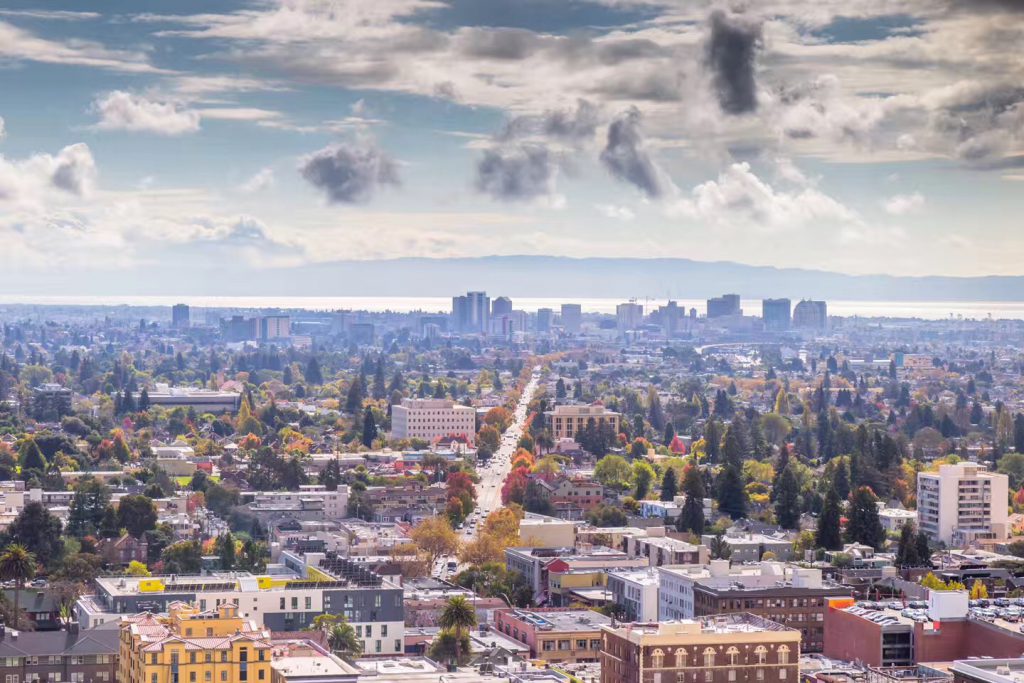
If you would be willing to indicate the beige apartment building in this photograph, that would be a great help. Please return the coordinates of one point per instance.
(962, 503)
(565, 421)
(432, 418)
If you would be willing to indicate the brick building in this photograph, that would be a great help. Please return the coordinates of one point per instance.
(554, 635)
(734, 648)
(71, 655)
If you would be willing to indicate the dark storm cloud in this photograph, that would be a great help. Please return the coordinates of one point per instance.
(626, 158)
(567, 125)
(731, 55)
(499, 43)
(349, 172)
(517, 172)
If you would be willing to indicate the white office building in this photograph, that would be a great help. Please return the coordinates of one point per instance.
(962, 503)
(432, 418)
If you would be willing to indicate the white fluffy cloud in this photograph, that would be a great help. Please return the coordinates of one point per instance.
(260, 181)
(119, 110)
(903, 204)
(28, 181)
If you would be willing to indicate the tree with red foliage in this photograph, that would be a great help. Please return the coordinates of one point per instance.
(514, 488)
(461, 488)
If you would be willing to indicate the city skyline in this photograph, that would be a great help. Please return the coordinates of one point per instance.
(219, 139)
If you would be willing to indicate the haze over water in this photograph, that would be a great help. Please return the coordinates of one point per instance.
(926, 310)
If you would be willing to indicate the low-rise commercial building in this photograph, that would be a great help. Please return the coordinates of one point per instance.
(734, 648)
(568, 636)
(432, 418)
(566, 421)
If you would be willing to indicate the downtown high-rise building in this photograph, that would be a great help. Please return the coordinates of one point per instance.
(545, 320)
(776, 314)
(471, 313)
(572, 318)
(628, 316)
(810, 315)
(721, 306)
(180, 317)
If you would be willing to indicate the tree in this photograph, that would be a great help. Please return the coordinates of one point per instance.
(613, 471)
(787, 499)
(30, 456)
(17, 564)
(864, 525)
(343, 641)
(369, 428)
(691, 517)
(457, 617)
(87, 507)
(136, 568)
(38, 531)
(719, 548)
(828, 534)
(221, 498)
(314, 376)
(137, 514)
(355, 396)
(331, 476)
(669, 486)
(731, 494)
(183, 557)
(607, 516)
(490, 437)
(226, 551)
(979, 591)
(643, 475)
(435, 537)
(906, 550)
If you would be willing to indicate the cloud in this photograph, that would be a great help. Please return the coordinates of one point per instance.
(119, 110)
(21, 45)
(738, 197)
(626, 157)
(28, 181)
(52, 15)
(620, 213)
(568, 125)
(903, 204)
(260, 181)
(3, 128)
(518, 172)
(731, 54)
(498, 43)
(349, 172)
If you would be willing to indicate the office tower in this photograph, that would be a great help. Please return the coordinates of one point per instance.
(501, 307)
(775, 313)
(572, 318)
(727, 304)
(671, 318)
(180, 316)
(810, 314)
(275, 327)
(471, 313)
(628, 316)
(545, 319)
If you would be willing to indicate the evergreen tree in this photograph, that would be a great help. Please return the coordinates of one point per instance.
(144, 400)
(314, 376)
(841, 479)
(379, 381)
(670, 433)
(356, 394)
(787, 500)
(560, 389)
(226, 551)
(669, 485)
(691, 517)
(369, 428)
(733, 447)
(331, 476)
(30, 456)
(731, 495)
(864, 525)
(655, 414)
(713, 440)
(1018, 432)
(924, 551)
(906, 550)
(828, 534)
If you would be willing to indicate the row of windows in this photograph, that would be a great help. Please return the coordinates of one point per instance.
(732, 656)
(55, 677)
(261, 675)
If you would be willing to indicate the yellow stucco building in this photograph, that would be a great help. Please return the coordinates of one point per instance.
(190, 646)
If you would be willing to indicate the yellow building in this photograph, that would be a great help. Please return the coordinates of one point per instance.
(189, 646)
(566, 421)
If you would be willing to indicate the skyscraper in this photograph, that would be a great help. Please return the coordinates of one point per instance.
(628, 316)
(727, 304)
(572, 318)
(180, 316)
(471, 313)
(810, 314)
(775, 313)
(501, 307)
(545, 318)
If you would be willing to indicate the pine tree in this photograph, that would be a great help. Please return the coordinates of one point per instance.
(314, 376)
(379, 381)
(356, 394)
(369, 428)
(841, 479)
(670, 433)
(828, 534)
(144, 400)
(906, 550)
(691, 517)
(864, 525)
(731, 495)
(787, 500)
(713, 440)
(669, 485)
(655, 414)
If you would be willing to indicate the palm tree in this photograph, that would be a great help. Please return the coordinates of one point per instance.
(19, 565)
(458, 616)
(343, 640)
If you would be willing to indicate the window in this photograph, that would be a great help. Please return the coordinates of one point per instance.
(709, 657)
(783, 652)
(223, 676)
(207, 676)
(191, 657)
(384, 630)
(782, 674)
(680, 658)
(760, 674)
(549, 645)
(224, 656)
(295, 602)
(709, 675)
(658, 659)
(732, 654)
(209, 632)
(398, 645)
(261, 656)
(377, 645)
(282, 603)
(191, 677)
(732, 674)
(152, 678)
(762, 654)
(261, 674)
(369, 630)
(309, 602)
(208, 657)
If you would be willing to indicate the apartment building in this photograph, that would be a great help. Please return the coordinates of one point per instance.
(636, 590)
(194, 646)
(566, 636)
(961, 503)
(432, 418)
(538, 564)
(808, 314)
(71, 655)
(733, 648)
(310, 503)
(566, 421)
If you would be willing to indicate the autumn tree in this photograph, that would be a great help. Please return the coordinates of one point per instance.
(435, 537)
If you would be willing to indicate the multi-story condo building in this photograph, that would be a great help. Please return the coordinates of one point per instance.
(71, 655)
(471, 313)
(203, 400)
(545, 320)
(566, 421)
(721, 306)
(734, 648)
(321, 583)
(310, 503)
(793, 596)
(636, 590)
(961, 503)
(554, 635)
(275, 327)
(572, 318)
(432, 418)
(776, 314)
(810, 314)
(628, 316)
(50, 402)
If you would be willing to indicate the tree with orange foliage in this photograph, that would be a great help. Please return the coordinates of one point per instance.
(514, 488)
(499, 418)
(523, 458)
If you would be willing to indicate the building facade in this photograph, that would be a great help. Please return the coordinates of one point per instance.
(572, 318)
(961, 503)
(811, 315)
(568, 636)
(180, 317)
(432, 418)
(735, 648)
(50, 656)
(725, 305)
(776, 314)
(566, 421)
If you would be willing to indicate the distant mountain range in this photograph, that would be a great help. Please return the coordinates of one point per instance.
(555, 276)
(522, 276)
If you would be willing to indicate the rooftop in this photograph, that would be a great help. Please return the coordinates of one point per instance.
(718, 625)
(991, 670)
(561, 620)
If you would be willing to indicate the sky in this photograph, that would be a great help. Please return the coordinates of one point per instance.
(877, 136)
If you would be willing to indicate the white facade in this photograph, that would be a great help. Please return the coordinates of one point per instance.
(961, 503)
(432, 418)
(639, 592)
(334, 503)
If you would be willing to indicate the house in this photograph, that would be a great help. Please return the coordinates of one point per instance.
(124, 550)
